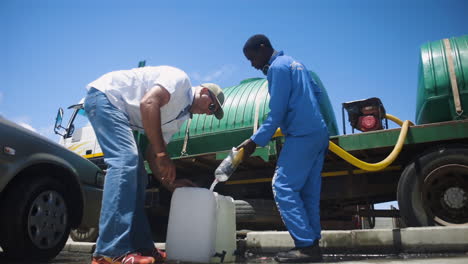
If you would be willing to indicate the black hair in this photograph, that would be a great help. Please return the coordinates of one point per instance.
(254, 42)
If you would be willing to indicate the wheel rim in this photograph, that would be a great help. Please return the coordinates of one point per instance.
(445, 194)
(47, 219)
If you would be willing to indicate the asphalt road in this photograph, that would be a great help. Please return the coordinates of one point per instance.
(66, 257)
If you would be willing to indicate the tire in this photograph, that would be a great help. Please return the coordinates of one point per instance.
(433, 189)
(84, 234)
(244, 211)
(35, 222)
(258, 214)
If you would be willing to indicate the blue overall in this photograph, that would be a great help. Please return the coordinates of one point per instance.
(295, 109)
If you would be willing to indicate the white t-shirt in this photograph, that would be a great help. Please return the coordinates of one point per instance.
(125, 88)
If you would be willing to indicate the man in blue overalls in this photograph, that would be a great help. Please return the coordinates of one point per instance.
(294, 107)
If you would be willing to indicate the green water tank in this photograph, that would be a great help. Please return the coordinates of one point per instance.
(326, 108)
(245, 108)
(436, 100)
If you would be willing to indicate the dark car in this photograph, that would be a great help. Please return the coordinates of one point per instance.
(45, 190)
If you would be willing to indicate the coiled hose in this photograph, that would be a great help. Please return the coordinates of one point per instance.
(365, 165)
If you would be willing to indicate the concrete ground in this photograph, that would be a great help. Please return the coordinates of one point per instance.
(371, 241)
(66, 257)
(408, 245)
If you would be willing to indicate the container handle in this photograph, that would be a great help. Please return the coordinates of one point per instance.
(220, 255)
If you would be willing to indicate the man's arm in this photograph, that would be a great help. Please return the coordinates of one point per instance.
(280, 91)
(150, 109)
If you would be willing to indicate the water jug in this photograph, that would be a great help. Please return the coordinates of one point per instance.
(201, 226)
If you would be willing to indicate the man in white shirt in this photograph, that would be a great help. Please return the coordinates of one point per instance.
(156, 101)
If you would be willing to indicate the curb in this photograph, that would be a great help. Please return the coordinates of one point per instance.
(376, 241)
(407, 240)
(82, 247)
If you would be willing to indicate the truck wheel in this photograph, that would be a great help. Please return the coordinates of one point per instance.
(433, 190)
(84, 234)
(258, 214)
(35, 222)
(244, 211)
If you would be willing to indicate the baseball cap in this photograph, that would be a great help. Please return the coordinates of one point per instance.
(219, 96)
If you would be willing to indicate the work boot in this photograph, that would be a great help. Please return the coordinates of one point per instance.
(301, 254)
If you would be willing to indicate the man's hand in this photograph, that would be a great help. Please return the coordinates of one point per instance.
(166, 170)
(249, 148)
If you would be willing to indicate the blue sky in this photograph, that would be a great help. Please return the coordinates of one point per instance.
(51, 49)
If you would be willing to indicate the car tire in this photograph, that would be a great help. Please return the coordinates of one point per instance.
(432, 190)
(35, 222)
(84, 234)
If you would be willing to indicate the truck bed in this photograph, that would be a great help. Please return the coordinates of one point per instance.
(343, 183)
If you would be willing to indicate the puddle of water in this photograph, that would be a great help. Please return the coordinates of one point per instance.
(337, 258)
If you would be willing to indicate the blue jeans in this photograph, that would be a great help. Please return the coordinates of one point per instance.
(123, 225)
(297, 183)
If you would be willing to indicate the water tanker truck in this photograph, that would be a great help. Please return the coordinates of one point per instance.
(423, 166)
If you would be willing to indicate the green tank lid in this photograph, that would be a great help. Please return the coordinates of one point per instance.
(435, 98)
(245, 103)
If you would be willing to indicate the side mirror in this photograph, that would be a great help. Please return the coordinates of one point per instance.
(58, 122)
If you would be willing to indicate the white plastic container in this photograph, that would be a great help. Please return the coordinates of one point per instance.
(201, 227)
(225, 230)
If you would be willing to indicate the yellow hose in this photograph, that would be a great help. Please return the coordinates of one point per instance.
(371, 166)
(397, 120)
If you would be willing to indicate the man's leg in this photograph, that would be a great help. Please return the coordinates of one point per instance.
(290, 176)
(121, 182)
(143, 238)
(311, 193)
(291, 180)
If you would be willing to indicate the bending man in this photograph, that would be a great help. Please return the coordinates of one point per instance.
(156, 101)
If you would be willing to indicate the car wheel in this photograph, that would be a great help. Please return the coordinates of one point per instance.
(84, 234)
(35, 220)
(433, 190)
